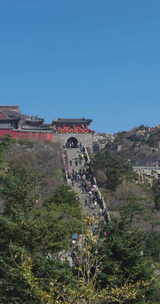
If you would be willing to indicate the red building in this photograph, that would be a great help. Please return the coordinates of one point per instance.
(70, 125)
(17, 125)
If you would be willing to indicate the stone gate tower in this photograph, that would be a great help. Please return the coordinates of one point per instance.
(72, 132)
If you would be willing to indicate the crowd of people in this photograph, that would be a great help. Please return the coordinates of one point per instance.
(79, 173)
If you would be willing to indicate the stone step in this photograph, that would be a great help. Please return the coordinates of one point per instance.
(72, 154)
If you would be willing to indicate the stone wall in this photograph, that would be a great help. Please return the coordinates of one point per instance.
(84, 139)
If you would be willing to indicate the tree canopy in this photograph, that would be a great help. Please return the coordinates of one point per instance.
(111, 169)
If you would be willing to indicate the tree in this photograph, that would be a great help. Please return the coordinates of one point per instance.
(114, 167)
(83, 289)
(40, 232)
(123, 250)
(156, 194)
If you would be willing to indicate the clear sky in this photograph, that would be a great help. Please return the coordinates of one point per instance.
(82, 58)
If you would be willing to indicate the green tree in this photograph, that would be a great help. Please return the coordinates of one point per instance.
(114, 167)
(84, 288)
(123, 251)
(42, 231)
(156, 194)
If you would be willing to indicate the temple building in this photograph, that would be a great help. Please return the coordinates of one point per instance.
(72, 131)
(67, 131)
(11, 118)
(72, 125)
(18, 125)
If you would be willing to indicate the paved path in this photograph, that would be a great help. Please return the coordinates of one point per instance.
(75, 161)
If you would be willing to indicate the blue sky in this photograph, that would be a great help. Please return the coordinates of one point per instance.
(82, 58)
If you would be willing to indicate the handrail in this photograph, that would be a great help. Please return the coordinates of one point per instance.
(104, 206)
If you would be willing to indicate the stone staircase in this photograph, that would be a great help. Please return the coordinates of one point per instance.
(100, 212)
(73, 164)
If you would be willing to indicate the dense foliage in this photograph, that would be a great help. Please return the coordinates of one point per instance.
(111, 266)
(31, 226)
(111, 169)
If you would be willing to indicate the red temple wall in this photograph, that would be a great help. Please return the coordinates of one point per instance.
(27, 134)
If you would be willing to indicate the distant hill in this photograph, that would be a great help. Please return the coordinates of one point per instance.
(141, 145)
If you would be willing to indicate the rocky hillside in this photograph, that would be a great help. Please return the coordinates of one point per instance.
(140, 145)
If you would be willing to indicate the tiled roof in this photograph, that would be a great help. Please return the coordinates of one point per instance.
(10, 108)
(9, 115)
(72, 120)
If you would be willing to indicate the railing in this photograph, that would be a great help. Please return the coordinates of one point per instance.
(146, 168)
(102, 203)
(104, 206)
